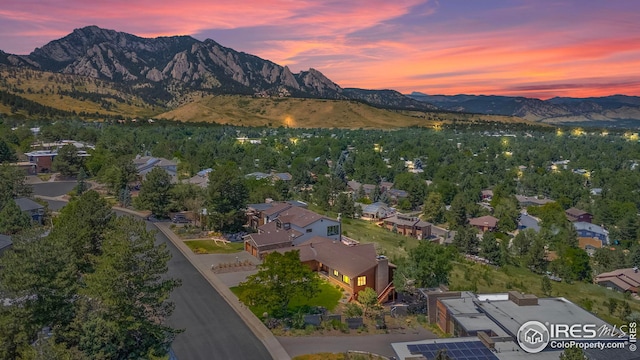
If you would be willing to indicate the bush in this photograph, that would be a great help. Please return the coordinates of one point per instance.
(309, 329)
(352, 310)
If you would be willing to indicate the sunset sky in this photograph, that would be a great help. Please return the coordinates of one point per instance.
(530, 48)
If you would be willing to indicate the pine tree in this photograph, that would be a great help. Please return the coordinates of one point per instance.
(489, 249)
(545, 285)
(12, 219)
(82, 185)
(155, 191)
(6, 153)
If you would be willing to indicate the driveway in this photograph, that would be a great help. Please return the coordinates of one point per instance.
(206, 261)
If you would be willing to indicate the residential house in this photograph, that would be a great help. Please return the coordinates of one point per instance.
(258, 175)
(590, 245)
(285, 176)
(397, 194)
(273, 176)
(144, 165)
(260, 214)
(408, 226)
(623, 280)
(585, 229)
(5, 243)
(484, 223)
(353, 268)
(574, 215)
(526, 201)
(201, 178)
(354, 187)
(269, 238)
(284, 216)
(308, 223)
(32, 208)
(377, 211)
(44, 153)
(28, 167)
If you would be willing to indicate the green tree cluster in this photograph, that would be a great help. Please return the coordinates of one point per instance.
(280, 279)
(99, 282)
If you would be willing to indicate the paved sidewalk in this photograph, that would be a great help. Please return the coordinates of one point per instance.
(259, 329)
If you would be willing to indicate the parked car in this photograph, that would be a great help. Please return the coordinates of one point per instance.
(180, 219)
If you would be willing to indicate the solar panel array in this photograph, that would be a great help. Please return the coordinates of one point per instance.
(467, 350)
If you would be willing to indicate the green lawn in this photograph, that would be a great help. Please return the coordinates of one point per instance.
(387, 242)
(210, 247)
(487, 280)
(328, 297)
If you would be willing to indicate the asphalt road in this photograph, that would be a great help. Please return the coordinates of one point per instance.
(212, 329)
(53, 189)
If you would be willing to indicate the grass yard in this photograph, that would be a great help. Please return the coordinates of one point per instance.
(211, 247)
(328, 297)
(387, 243)
(486, 279)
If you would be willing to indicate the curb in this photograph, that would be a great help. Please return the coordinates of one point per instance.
(257, 327)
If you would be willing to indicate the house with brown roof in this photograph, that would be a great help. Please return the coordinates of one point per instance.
(622, 280)
(284, 225)
(589, 244)
(575, 215)
(408, 226)
(260, 214)
(484, 223)
(353, 268)
(308, 223)
(268, 239)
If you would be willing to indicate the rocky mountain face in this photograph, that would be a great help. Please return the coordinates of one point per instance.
(555, 110)
(173, 66)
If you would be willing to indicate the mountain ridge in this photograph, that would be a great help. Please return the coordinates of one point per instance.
(165, 71)
(554, 110)
(177, 64)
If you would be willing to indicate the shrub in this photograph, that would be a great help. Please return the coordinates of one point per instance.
(352, 310)
(309, 329)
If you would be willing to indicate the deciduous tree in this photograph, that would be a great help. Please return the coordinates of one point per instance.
(428, 265)
(280, 278)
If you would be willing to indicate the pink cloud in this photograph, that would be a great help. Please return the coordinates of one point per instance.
(406, 44)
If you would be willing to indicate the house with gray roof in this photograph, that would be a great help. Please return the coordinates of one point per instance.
(144, 165)
(585, 229)
(5, 243)
(32, 208)
(376, 211)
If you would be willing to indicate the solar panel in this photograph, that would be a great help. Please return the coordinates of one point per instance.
(467, 350)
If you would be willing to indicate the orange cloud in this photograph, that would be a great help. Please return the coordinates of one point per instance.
(497, 47)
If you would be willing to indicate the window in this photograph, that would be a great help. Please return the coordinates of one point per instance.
(345, 279)
(335, 273)
(333, 230)
(309, 230)
(362, 280)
